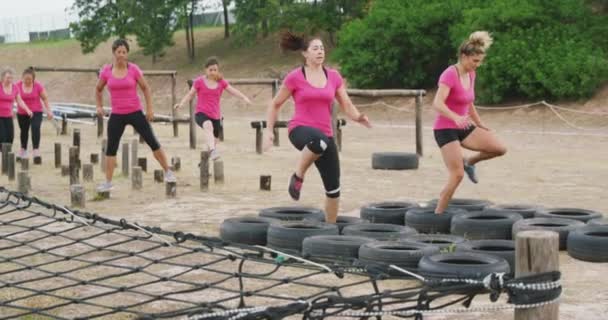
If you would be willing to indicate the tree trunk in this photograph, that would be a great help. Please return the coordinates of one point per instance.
(192, 30)
(188, 30)
(226, 22)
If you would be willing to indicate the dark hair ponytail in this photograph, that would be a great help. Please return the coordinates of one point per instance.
(30, 71)
(293, 42)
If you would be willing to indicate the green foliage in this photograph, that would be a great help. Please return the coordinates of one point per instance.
(155, 23)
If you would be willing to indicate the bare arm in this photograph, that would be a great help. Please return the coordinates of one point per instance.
(272, 113)
(187, 98)
(235, 92)
(22, 105)
(349, 108)
(475, 116)
(143, 85)
(45, 101)
(99, 95)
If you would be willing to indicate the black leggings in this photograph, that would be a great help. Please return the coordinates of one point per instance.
(329, 162)
(24, 124)
(7, 130)
(116, 127)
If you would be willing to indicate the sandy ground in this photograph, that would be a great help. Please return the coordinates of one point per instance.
(547, 163)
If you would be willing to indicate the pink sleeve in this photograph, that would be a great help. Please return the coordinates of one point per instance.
(39, 87)
(448, 77)
(290, 80)
(338, 81)
(196, 84)
(224, 84)
(136, 71)
(103, 74)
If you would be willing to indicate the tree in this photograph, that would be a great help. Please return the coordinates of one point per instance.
(225, 4)
(155, 21)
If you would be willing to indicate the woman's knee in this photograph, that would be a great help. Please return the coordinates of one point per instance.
(457, 174)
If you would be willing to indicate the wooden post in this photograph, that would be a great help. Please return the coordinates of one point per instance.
(334, 117)
(64, 124)
(218, 171)
(76, 138)
(99, 126)
(159, 175)
(73, 164)
(204, 167)
(6, 148)
(192, 123)
(104, 147)
(171, 189)
(220, 135)
(23, 182)
(94, 158)
(136, 178)
(77, 195)
(11, 166)
(258, 140)
(134, 152)
(265, 182)
(419, 124)
(173, 102)
(176, 163)
(143, 164)
(87, 172)
(125, 159)
(536, 252)
(275, 88)
(275, 131)
(339, 136)
(65, 170)
(103, 195)
(57, 155)
(25, 164)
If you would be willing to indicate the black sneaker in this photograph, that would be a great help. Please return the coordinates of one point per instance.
(295, 185)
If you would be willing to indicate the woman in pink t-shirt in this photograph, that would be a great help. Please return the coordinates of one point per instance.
(208, 89)
(32, 92)
(313, 88)
(458, 124)
(122, 79)
(8, 95)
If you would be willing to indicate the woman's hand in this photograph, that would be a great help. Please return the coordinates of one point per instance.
(149, 114)
(463, 122)
(363, 120)
(268, 139)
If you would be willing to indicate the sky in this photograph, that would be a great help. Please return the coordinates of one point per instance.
(25, 8)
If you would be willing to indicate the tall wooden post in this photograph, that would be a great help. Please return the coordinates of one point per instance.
(173, 102)
(192, 123)
(419, 124)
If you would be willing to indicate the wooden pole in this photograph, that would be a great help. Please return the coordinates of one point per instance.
(99, 126)
(204, 167)
(65, 170)
(25, 164)
(134, 152)
(218, 171)
(104, 147)
(11, 166)
(57, 155)
(6, 148)
(64, 124)
(143, 164)
(73, 165)
(192, 123)
(87, 172)
(136, 178)
(419, 125)
(275, 131)
(536, 252)
(76, 138)
(125, 159)
(220, 135)
(77, 195)
(173, 102)
(258, 140)
(23, 182)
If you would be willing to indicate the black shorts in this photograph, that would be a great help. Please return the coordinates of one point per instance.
(200, 118)
(116, 127)
(445, 136)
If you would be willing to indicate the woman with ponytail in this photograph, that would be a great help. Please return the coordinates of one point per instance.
(313, 88)
(458, 124)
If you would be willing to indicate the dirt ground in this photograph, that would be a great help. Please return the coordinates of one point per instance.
(547, 163)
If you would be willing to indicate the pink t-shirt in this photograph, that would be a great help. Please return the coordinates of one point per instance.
(123, 91)
(6, 101)
(312, 105)
(31, 99)
(458, 99)
(208, 100)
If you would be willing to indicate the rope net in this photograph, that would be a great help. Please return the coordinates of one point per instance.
(62, 264)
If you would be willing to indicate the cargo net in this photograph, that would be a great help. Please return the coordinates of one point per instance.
(61, 264)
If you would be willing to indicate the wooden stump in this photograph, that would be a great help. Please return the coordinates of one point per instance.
(76, 138)
(218, 171)
(94, 158)
(6, 148)
(204, 170)
(265, 182)
(125, 159)
(73, 164)
(136, 178)
(65, 170)
(134, 152)
(258, 140)
(77, 195)
(11, 166)
(103, 195)
(536, 252)
(57, 155)
(23, 182)
(25, 164)
(143, 163)
(87, 172)
(176, 163)
(64, 124)
(104, 147)
(171, 189)
(38, 160)
(159, 175)
(99, 126)
(275, 132)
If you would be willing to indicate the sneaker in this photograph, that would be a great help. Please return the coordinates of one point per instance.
(214, 154)
(295, 185)
(35, 153)
(22, 154)
(170, 176)
(105, 187)
(470, 171)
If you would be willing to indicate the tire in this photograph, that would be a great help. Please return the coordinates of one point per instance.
(288, 236)
(561, 226)
(246, 230)
(500, 248)
(484, 225)
(386, 212)
(403, 254)
(441, 241)
(525, 210)
(292, 213)
(461, 265)
(424, 220)
(379, 231)
(466, 204)
(333, 247)
(598, 222)
(569, 213)
(589, 243)
(341, 221)
(394, 160)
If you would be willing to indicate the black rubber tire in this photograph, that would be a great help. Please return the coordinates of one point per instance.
(379, 231)
(525, 210)
(569, 213)
(333, 247)
(561, 226)
(424, 220)
(441, 241)
(589, 243)
(484, 225)
(598, 222)
(288, 236)
(342, 221)
(466, 204)
(500, 248)
(392, 212)
(394, 160)
(292, 213)
(403, 254)
(461, 265)
(246, 230)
